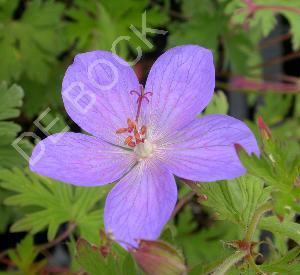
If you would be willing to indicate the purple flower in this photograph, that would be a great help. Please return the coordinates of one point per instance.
(142, 137)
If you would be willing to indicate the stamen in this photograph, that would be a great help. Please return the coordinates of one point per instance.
(131, 144)
(128, 141)
(121, 130)
(131, 125)
(139, 141)
(137, 137)
(143, 130)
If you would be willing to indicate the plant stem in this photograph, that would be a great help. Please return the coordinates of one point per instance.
(276, 60)
(283, 77)
(229, 262)
(278, 8)
(182, 202)
(241, 83)
(3, 253)
(253, 7)
(251, 231)
(255, 266)
(192, 185)
(277, 39)
(255, 220)
(71, 227)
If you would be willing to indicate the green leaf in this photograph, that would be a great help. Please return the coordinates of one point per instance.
(28, 41)
(10, 103)
(203, 27)
(294, 20)
(287, 264)
(218, 105)
(275, 168)
(54, 203)
(196, 270)
(291, 16)
(11, 100)
(25, 255)
(50, 122)
(129, 265)
(288, 134)
(267, 21)
(8, 214)
(256, 166)
(92, 261)
(240, 52)
(264, 21)
(99, 25)
(286, 228)
(203, 246)
(206, 24)
(204, 31)
(40, 96)
(235, 200)
(275, 107)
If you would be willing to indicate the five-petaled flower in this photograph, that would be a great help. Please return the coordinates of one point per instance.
(142, 137)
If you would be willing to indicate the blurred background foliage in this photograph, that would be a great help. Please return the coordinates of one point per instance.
(256, 46)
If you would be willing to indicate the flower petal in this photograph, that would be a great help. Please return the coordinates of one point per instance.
(140, 205)
(80, 159)
(182, 81)
(96, 93)
(204, 150)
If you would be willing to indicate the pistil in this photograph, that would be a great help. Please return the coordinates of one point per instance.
(141, 95)
(137, 136)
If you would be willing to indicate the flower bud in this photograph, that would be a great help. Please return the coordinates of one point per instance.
(264, 129)
(158, 257)
(238, 148)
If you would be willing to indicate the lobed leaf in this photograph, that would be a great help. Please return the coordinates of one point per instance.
(54, 203)
(236, 200)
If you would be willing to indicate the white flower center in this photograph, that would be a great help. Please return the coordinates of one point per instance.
(144, 149)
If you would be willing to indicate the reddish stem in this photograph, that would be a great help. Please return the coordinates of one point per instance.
(253, 7)
(244, 83)
(71, 227)
(7, 262)
(277, 60)
(60, 270)
(282, 77)
(182, 202)
(277, 39)
(277, 8)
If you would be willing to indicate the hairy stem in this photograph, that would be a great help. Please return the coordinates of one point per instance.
(228, 263)
(255, 220)
(192, 185)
